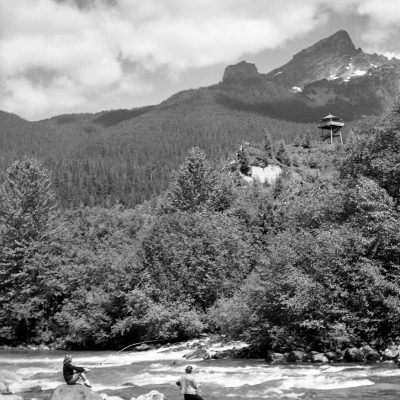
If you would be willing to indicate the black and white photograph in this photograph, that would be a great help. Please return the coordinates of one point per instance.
(199, 199)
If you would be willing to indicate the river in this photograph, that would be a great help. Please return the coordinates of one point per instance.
(131, 373)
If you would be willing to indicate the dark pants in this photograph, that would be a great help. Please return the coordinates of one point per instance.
(192, 397)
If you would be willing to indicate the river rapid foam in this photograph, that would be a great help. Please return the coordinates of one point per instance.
(221, 379)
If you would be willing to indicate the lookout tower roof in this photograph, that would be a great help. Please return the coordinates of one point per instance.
(330, 116)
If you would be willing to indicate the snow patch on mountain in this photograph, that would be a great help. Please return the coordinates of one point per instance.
(358, 72)
(353, 71)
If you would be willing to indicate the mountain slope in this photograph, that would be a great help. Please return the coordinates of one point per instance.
(330, 76)
(128, 155)
(133, 160)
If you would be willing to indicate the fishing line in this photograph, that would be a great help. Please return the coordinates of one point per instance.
(127, 347)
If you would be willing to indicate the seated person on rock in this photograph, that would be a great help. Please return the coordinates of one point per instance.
(73, 373)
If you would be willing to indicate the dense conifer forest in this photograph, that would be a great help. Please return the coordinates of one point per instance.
(103, 160)
(311, 260)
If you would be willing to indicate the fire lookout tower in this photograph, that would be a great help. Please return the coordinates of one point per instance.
(332, 124)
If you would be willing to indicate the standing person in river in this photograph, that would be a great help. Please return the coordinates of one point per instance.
(188, 385)
(73, 373)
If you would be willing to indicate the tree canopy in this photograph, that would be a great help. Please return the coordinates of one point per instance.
(308, 260)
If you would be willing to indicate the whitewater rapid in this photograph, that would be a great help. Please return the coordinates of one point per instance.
(243, 378)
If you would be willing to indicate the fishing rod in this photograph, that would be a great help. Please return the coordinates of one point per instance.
(127, 347)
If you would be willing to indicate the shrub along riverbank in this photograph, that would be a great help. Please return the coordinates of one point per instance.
(310, 261)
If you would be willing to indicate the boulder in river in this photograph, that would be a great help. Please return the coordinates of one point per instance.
(316, 357)
(230, 354)
(371, 355)
(334, 356)
(352, 354)
(106, 397)
(296, 356)
(153, 395)
(10, 397)
(275, 358)
(74, 392)
(390, 354)
(143, 347)
(11, 383)
(198, 353)
(4, 388)
(23, 387)
(8, 376)
(223, 355)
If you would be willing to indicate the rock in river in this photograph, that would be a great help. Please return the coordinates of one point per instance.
(74, 392)
(12, 383)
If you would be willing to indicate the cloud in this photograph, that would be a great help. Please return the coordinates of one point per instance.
(384, 16)
(71, 55)
(385, 13)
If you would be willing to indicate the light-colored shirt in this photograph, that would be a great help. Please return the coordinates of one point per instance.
(188, 384)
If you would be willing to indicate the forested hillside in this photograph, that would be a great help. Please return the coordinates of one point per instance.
(103, 159)
(311, 260)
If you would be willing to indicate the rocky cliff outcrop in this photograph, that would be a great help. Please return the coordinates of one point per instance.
(241, 71)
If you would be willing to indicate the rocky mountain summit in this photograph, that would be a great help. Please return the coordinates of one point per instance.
(332, 58)
(332, 74)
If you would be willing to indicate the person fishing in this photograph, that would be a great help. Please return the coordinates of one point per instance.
(188, 385)
(73, 373)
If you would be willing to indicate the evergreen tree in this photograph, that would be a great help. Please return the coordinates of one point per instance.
(306, 143)
(282, 155)
(244, 166)
(268, 147)
(191, 186)
(297, 141)
(26, 205)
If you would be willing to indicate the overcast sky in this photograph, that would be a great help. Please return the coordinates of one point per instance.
(85, 55)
